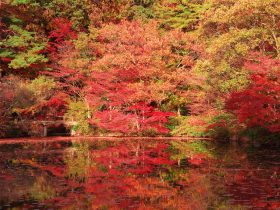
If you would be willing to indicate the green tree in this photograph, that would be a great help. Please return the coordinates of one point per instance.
(231, 29)
(180, 14)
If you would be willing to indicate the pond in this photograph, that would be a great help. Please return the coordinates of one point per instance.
(137, 174)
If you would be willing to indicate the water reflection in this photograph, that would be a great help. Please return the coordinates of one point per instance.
(78, 161)
(137, 175)
(42, 189)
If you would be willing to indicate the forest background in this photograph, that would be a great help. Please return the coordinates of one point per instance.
(141, 67)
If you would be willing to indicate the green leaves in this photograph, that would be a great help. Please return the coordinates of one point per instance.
(23, 47)
(182, 150)
(42, 87)
(24, 60)
(180, 14)
(231, 30)
(79, 113)
(20, 2)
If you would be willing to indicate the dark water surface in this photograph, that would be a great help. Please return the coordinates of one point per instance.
(137, 174)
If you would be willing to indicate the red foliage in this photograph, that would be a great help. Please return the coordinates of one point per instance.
(150, 118)
(134, 119)
(6, 60)
(62, 31)
(259, 104)
(127, 75)
(136, 161)
(114, 121)
(109, 88)
(113, 164)
(69, 80)
(129, 80)
(6, 99)
(49, 110)
(198, 159)
(256, 188)
(54, 170)
(58, 104)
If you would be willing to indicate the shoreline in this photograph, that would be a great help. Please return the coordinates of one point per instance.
(91, 138)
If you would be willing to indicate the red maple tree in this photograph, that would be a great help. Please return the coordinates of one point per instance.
(259, 103)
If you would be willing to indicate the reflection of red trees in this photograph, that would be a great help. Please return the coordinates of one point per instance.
(248, 188)
(133, 175)
(135, 161)
(198, 159)
(111, 181)
(118, 169)
(108, 188)
(113, 177)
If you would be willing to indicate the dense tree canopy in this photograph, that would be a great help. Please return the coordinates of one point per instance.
(151, 67)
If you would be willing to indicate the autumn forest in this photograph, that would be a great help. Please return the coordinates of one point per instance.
(197, 68)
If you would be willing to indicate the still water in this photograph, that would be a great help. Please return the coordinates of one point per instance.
(137, 174)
